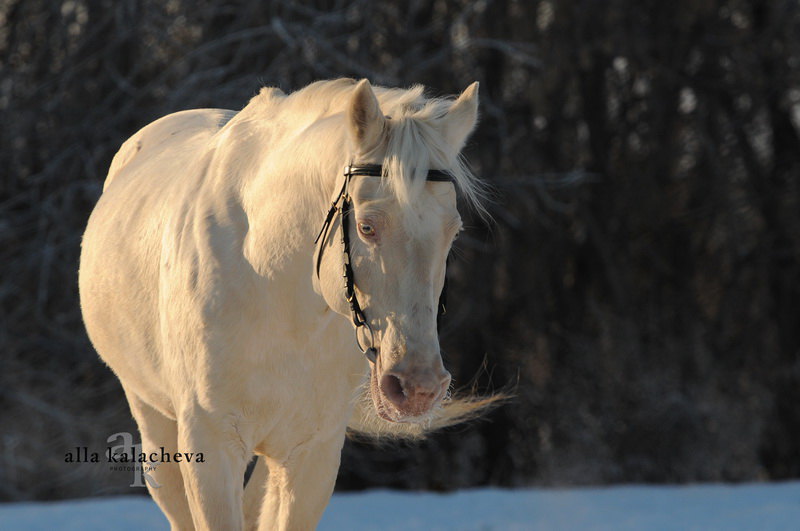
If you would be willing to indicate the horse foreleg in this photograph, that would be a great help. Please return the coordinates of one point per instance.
(299, 488)
(254, 494)
(165, 482)
(213, 487)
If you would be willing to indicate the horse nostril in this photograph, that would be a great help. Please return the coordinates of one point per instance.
(415, 393)
(392, 388)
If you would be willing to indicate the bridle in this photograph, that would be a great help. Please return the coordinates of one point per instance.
(343, 205)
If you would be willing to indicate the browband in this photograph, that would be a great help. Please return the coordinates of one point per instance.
(376, 170)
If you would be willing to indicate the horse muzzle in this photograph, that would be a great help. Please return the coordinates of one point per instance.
(405, 395)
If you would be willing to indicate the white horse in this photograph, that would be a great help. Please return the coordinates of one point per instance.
(203, 289)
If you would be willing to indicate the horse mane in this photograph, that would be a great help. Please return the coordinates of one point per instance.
(414, 142)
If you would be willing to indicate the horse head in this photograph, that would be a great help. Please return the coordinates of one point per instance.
(400, 228)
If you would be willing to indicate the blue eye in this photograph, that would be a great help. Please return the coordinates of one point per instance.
(366, 229)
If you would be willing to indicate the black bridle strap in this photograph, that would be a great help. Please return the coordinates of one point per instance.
(376, 170)
(343, 204)
(323, 233)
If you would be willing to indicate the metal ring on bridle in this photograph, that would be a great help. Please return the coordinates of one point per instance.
(371, 337)
(371, 352)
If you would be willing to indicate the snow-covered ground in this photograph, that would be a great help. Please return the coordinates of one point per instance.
(770, 506)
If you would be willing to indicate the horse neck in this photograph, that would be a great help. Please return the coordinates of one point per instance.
(287, 196)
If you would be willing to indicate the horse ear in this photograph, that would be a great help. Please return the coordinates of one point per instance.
(461, 118)
(364, 117)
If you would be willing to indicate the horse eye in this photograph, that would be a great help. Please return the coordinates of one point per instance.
(366, 229)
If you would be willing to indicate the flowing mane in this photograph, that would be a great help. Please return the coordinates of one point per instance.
(414, 129)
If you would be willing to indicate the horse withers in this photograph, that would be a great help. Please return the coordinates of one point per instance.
(231, 330)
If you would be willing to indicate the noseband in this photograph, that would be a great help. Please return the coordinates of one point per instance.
(343, 205)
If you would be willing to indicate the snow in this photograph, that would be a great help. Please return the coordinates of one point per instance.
(767, 506)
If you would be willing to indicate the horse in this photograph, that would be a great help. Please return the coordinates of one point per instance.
(230, 328)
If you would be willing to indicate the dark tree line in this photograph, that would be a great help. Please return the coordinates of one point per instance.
(640, 285)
